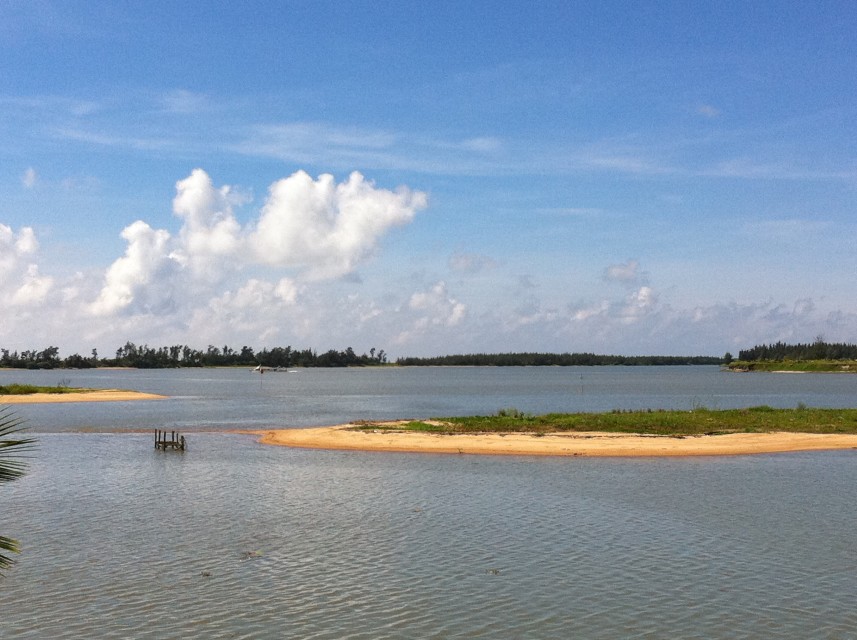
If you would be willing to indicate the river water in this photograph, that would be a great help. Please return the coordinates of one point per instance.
(233, 539)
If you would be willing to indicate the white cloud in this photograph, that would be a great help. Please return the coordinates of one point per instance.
(210, 232)
(21, 284)
(638, 304)
(322, 229)
(34, 289)
(128, 279)
(14, 248)
(328, 228)
(439, 307)
(431, 311)
(216, 280)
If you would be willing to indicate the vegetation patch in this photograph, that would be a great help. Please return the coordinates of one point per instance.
(697, 422)
(809, 366)
(29, 389)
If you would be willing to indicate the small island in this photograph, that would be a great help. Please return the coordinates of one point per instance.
(779, 357)
(32, 394)
(631, 433)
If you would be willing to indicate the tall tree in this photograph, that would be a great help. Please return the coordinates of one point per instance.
(12, 444)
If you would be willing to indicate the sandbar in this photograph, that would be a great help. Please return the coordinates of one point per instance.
(99, 395)
(344, 437)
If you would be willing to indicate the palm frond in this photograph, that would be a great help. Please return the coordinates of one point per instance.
(12, 444)
(7, 545)
(11, 448)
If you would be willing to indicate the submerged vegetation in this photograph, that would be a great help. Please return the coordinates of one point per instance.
(651, 422)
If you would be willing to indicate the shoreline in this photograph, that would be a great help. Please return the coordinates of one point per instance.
(588, 444)
(99, 395)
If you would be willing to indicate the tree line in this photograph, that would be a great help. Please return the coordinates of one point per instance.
(552, 359)
(146, 357)
(818, 350)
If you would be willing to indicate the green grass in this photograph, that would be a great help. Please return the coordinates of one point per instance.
(666, 423)
(29, 389)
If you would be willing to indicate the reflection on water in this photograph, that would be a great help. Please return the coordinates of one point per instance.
(235, 540)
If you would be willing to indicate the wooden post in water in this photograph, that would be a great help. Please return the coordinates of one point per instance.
(175, 441)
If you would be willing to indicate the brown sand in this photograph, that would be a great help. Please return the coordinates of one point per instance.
(100, 395)
(556, 444)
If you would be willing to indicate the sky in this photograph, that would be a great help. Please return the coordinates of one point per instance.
(675, 178)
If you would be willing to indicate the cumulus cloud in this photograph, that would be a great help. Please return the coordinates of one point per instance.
(33, 290)
(21, 284)
(429, 311)
(328, 228)
(210, 233)
(638, 304)
(318, 228)
(438, 306)
(128, 278)
(15, 246)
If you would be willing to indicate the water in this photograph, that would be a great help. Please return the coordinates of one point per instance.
(236, 540)
(222, 399)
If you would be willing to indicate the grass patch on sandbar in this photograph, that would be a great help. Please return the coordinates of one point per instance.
(701, 421)
(29, 389)
(803, 366)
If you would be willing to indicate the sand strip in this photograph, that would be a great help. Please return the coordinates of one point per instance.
(100, 395)
(556, 444)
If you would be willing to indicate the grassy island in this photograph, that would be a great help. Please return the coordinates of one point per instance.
(697, 422)
(797, 366)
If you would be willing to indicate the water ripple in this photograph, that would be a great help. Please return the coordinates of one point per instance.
(234, 540)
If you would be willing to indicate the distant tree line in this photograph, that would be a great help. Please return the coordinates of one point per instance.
(552, 359)
(818, 350)
(146, 357)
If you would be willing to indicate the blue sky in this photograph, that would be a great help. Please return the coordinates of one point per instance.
(428, 178)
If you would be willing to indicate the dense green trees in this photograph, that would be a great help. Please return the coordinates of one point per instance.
(552, 359)
(146, 357)
(818, 350)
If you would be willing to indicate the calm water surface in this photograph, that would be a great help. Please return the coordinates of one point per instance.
(222, 399)
(236, 540)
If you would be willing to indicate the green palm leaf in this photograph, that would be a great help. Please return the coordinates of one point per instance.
(12, 444)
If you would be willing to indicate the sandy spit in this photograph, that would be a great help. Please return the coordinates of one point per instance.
(101, 395)
(555, 444)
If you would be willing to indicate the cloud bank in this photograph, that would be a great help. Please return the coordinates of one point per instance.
(286, 274)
